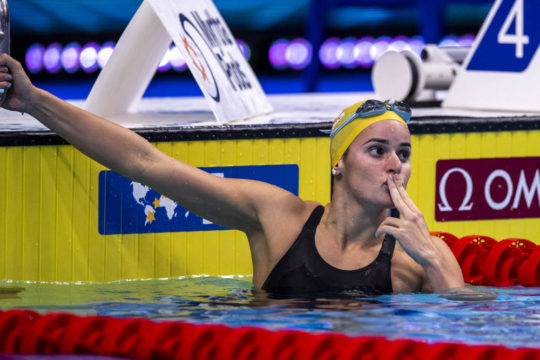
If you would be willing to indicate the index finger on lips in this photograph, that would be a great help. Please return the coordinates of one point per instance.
(396, 196)
(405, 197)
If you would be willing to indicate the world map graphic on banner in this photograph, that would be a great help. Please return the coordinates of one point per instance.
(128, 207)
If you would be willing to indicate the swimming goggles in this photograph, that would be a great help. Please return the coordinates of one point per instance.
(375, 107)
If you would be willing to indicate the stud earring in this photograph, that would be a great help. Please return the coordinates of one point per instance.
(334, 172)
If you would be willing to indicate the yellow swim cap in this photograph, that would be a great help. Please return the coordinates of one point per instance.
(350, 123)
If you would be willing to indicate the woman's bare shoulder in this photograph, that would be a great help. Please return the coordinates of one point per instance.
(281, 207)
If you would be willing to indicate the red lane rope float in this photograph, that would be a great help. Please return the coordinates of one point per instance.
(12, 324)
(504, 259)
(486, 261)
(27, 332)
(529, 271)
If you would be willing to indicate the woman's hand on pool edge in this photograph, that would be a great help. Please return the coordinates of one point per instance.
(411, 231)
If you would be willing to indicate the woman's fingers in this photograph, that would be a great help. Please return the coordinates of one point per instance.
(404, 195)
(5, 76)
(4, 87)
(9, 65)
(397, 197)
(401, 199)
(5, 81)
(388, 226)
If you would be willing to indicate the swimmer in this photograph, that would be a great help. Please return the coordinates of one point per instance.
(297, 246)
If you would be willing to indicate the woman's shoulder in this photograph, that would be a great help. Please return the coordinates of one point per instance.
(283, 206)
(289, 216)
(288, 222)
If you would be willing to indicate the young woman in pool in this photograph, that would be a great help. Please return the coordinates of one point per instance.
(296, 245)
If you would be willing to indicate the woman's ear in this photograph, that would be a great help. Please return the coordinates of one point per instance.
(338, 169)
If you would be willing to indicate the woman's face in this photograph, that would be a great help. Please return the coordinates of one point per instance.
(382, 149)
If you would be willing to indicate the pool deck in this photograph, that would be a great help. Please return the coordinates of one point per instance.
(297, 109)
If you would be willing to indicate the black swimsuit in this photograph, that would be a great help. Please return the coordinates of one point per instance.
(302, 270)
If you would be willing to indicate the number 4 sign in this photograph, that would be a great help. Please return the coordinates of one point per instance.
(518, 39)
(503, 69)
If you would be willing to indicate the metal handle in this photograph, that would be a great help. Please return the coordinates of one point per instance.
(4, 33)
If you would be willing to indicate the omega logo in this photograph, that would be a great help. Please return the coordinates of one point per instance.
(522, 189)
(465, 205)
(486, 189)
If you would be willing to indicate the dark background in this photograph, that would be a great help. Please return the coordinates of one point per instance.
(258, 22)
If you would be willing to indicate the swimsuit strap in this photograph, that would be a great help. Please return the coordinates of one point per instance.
(314, 219)
(388, 246)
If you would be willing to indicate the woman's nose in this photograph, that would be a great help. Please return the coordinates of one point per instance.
(394, 163)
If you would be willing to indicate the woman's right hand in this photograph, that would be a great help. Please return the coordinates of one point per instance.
(15, 83)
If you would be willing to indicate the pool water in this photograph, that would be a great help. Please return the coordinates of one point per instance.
(513, 319)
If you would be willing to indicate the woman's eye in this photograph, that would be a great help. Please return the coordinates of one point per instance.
(376, 151)
(404, 155)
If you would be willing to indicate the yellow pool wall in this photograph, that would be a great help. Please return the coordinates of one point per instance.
(49, 206)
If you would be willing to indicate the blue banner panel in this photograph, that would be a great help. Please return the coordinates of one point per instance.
(128, 207)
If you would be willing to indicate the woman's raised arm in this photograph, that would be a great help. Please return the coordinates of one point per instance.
(229, 202)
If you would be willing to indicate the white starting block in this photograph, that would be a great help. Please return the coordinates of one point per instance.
(206, 43)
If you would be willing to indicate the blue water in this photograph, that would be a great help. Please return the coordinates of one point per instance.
(513, 319)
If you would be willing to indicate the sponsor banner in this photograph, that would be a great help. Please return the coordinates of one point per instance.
(214, 58)
(482, 189)
(128, 207)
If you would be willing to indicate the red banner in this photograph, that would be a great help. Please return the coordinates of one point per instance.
(498, 188)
